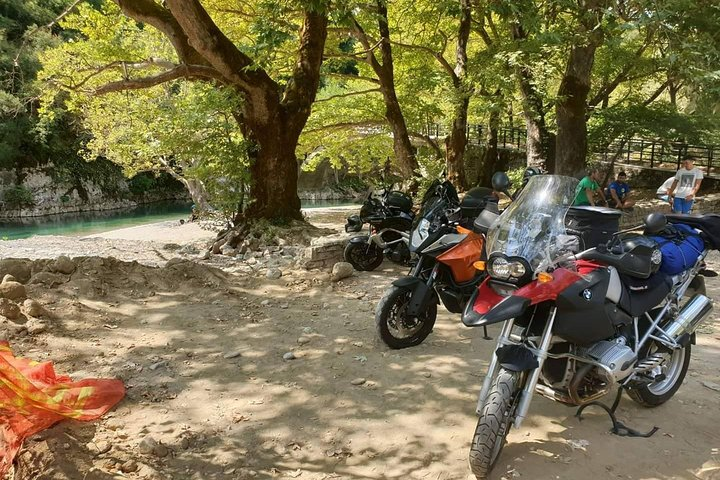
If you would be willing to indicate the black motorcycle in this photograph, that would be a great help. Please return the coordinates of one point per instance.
(448, 239)
(389, 220)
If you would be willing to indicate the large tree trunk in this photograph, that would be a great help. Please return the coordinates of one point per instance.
(457, 142)
(571, 141)
(456, 145)
(404, 150)
(492, 161)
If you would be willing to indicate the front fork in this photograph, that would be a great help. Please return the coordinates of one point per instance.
(532, 377)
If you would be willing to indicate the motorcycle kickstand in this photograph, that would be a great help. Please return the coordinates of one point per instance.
(485, 334)
(618, 428)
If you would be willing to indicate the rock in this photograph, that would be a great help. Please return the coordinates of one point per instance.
(274, 273)
(20, 269)
(427, 374)
(284, 306)
(157, 365)
(147, 445)
(63, 265)
(341, 270)
(204, 255)
(289, 356)
(358, 381)
(303, 340)
(114, 424)
(48, 279)
(12, 290)
(227, 250)
(189, 250)
(711, 386)
(251, 261)
(308, 330)
(98, 448)
(34, 308)
(9, 309)
(160, 450)
(170, 247)
(232, 354)
(35, 326)
(265, 303)
(8, 278)
(185, 443)
(129, 467)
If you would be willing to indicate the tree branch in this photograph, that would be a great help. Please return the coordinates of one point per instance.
(335, 126)
(152, 13)
(206, 38)
(349, 94)
(657, 93)
(354, 77)
(180, 71)
(438, 56)
(429, 142)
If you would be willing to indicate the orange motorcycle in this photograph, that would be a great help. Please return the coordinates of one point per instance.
(447, 239)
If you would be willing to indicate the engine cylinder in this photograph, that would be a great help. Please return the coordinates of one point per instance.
(689, 317)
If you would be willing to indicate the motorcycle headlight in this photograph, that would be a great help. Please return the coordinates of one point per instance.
(420, 233)
(503, 269)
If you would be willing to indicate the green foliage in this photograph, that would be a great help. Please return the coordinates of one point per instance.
(141, 183)
(18, 196)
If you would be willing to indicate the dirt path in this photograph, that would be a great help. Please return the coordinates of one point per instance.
(210, 395)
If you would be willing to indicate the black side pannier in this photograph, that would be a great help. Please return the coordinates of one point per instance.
(475, 201)
(593, 225)
(400, 201)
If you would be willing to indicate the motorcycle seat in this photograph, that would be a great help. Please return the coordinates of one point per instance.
(640, 295)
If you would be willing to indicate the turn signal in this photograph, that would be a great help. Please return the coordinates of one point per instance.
(479, 265)
(544, 277)
(463, 230)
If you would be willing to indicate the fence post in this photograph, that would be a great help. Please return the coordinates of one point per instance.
(504, 138)
(710, 159)
(642, 145)
(652, 156)
(629, 143)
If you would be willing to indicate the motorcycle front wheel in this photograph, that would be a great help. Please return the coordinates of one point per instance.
(363, 257)
(394, 327)
(494, 423)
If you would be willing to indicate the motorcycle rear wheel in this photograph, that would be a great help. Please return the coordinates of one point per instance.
(494, 423)
(394, 328)
(363, 257)
(674, 369)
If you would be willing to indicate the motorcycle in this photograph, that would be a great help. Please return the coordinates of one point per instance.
(446, 245)
(576, 323)
(389, 221)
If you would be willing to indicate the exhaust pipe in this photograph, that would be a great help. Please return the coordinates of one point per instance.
(689, 317)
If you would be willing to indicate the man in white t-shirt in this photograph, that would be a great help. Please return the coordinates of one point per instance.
(686, 185)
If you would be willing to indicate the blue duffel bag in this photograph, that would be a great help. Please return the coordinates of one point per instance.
(681, 246)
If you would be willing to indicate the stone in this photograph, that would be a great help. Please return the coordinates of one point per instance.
(48, 279)
(63, 264)
(9, 309)
(35, 326)
(160, 450)
(284, 306)
(34, 308)
(8, 278)
(274, 273)
(232, 354)
(12, 290)
(358, 381)
(98, 448)
(20, 269)
(265, 303)
(129, 467)
(147, 445)
(289, 356)
(341, 270)
(227, 250)
(303, 340)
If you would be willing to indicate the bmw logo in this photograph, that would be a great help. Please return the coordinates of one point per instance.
(587, 294)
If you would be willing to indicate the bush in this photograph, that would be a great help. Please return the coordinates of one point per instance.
(141, 184)
(18, 196)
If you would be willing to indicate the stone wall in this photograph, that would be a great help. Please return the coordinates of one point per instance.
(324, 252)
(706, 204)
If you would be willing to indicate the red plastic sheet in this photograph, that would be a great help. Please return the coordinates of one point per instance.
(33, 397)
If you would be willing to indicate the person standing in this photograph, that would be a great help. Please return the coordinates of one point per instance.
(588, 188)
(681, 194)
(618, 193)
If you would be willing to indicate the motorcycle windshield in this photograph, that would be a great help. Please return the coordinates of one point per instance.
(532, 225)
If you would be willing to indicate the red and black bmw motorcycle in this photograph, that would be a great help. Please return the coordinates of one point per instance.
(576, 323)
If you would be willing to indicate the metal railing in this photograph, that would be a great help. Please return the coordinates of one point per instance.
(635, 152)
